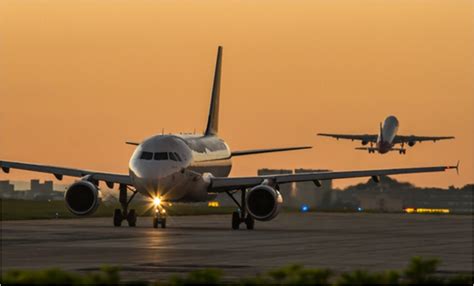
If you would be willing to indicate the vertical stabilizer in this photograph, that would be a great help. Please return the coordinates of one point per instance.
(213, 119)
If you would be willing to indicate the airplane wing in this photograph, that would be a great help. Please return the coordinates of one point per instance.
(260, 151)
(412, 138)
(360, 137)
(59, 172)
(224, 184)
(370, 149)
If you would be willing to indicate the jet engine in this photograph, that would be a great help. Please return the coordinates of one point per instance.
(82, 198)
(411, 143)
(365, 142)
(263, 202)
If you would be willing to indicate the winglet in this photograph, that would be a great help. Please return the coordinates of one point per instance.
(213, 119)
(454, 167)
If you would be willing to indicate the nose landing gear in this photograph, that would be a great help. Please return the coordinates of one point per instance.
(124, 214)
(159, 218)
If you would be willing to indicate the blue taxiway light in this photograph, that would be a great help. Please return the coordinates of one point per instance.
(304, 208)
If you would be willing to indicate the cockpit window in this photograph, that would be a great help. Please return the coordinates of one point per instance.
(161, 156)
(173, 157)
(146, 155)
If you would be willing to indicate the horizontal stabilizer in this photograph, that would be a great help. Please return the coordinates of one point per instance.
(373, 149)
(132, 143)
(261, 151)
(366, 148)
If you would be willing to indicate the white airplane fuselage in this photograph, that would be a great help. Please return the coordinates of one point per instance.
(387, 133)
(178, 167)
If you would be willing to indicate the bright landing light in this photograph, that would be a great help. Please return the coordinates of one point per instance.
(156, 201)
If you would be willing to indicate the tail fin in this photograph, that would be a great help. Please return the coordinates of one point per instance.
(213, 119)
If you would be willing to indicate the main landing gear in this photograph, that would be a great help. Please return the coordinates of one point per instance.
(402, 150)
(159, 217)
(371, 148)
(241, 215)
(124, 214)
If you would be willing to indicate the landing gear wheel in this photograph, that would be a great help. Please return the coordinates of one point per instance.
(163, 223)
(242, 215)
(118, 217)
(235, 220)
(250, 222)
(132, 218)
(155, 222)
(125, 214)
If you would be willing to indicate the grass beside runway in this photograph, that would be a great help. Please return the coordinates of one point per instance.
(418, 271)
(25, 210)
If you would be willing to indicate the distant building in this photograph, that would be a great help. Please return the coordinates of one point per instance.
(7, 190)
(383, 202)
(46, 187)
(309, 194)
(6, 187)
(37, 191)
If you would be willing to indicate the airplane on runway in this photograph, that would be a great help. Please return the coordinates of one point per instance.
(191, 168)
(387, 138)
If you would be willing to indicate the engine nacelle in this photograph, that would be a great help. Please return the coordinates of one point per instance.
(365, 142)
(263, 202)
(411, 143)
(82, 198)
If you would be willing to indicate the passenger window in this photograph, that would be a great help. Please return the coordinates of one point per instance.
(160, 156)
(178, 157)
(146, 156)
(173, 157)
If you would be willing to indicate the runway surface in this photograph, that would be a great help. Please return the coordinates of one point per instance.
(334, 240)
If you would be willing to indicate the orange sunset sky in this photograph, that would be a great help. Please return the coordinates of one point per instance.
(78, 78)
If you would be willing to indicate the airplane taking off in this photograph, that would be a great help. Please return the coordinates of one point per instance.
(387, 138)
(191, 168)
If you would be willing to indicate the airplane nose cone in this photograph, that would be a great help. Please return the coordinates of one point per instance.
(145, 178)
(152, 180)
(152, 186)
